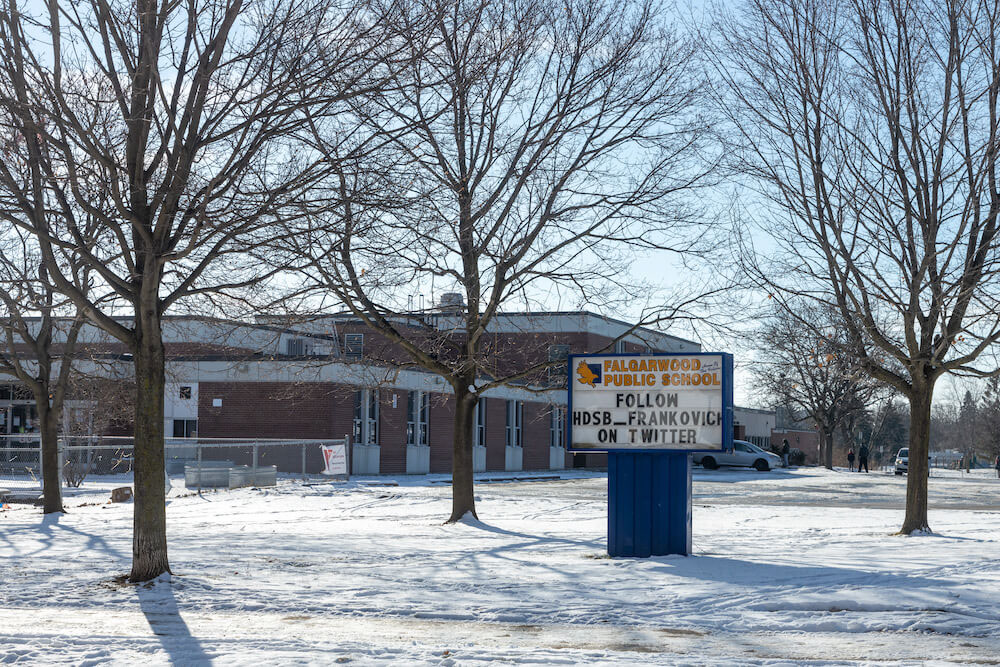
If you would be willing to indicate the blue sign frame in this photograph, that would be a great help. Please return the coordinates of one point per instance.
(727, 402)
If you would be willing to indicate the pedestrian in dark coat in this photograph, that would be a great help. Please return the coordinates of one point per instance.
(850, 459)
(863, 458)
(785, 450)
(997, 466)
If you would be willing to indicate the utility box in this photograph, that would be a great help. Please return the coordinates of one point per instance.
(207, 474)
(241, 476)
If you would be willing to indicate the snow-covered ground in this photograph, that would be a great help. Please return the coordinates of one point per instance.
(796, 565)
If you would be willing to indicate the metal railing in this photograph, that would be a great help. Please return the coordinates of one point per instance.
(111, 458)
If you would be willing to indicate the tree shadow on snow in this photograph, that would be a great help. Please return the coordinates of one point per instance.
(750, 573)
(159, 606)
(944, 536)
(48, 530)
(485, 527)
(523, 550)
(727, 475)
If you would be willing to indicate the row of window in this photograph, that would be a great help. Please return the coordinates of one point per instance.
(366, 420)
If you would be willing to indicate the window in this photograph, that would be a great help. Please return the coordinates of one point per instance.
(185, 392)
(354, 345)
(366, 417)
(417, 411)
(185, 428)
(619, 347)
(515, 423)
(557, 434)
(295, 347)
(479, 424)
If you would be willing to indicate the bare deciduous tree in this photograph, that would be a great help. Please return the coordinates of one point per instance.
(808, 367)
(38, 343)
(990, 419)
(530, 152)
(172, 125)
(868, 129)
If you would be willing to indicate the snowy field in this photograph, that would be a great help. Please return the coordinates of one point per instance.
(790, 566)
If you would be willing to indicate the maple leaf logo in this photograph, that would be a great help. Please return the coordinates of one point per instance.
(587, 374)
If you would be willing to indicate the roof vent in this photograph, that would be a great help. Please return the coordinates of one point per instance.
(451, 300)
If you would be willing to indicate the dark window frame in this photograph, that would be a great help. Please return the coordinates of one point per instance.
(366, 417)
(515, 423)
(418, 418)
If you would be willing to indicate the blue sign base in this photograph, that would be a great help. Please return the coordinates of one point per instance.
(649, 503)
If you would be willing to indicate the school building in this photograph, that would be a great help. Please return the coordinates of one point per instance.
(332, 376)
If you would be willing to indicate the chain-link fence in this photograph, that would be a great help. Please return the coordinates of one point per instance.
(195, 463)
(20, 462)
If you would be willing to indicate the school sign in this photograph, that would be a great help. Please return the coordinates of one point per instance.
(649, 412)
(654, 402)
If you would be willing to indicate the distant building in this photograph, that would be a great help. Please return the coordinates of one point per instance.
(754, 425)
(803, 439)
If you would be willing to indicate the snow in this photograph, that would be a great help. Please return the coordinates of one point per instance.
(792, 566)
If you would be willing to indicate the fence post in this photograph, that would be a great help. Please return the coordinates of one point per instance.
(199, 468)
(350, 456)
(303, 461)
(41, 464)
(60, 452)
(255, 462)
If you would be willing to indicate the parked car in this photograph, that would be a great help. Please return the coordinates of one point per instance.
(743, 454)
(903, 461)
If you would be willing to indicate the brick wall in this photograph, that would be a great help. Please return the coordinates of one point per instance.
(502, 352)
(807, 441)
(392, 431)
(496, 433)
(440, 429)
(536, 436)
(274, 410)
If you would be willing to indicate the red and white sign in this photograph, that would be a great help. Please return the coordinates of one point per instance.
(335, 459)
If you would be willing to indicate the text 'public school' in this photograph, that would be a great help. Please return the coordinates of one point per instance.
(658, 372)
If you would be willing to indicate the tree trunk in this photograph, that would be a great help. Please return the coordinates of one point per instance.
(463, 500)
(51, 484)
(828, 454)
(149, 537)
(917, 470)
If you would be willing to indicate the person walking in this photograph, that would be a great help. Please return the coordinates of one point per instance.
(850, 459)
(863, 458)
(997, 466)
(785, 450)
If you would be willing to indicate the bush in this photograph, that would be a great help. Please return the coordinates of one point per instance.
(75, 470)
(796, 457)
